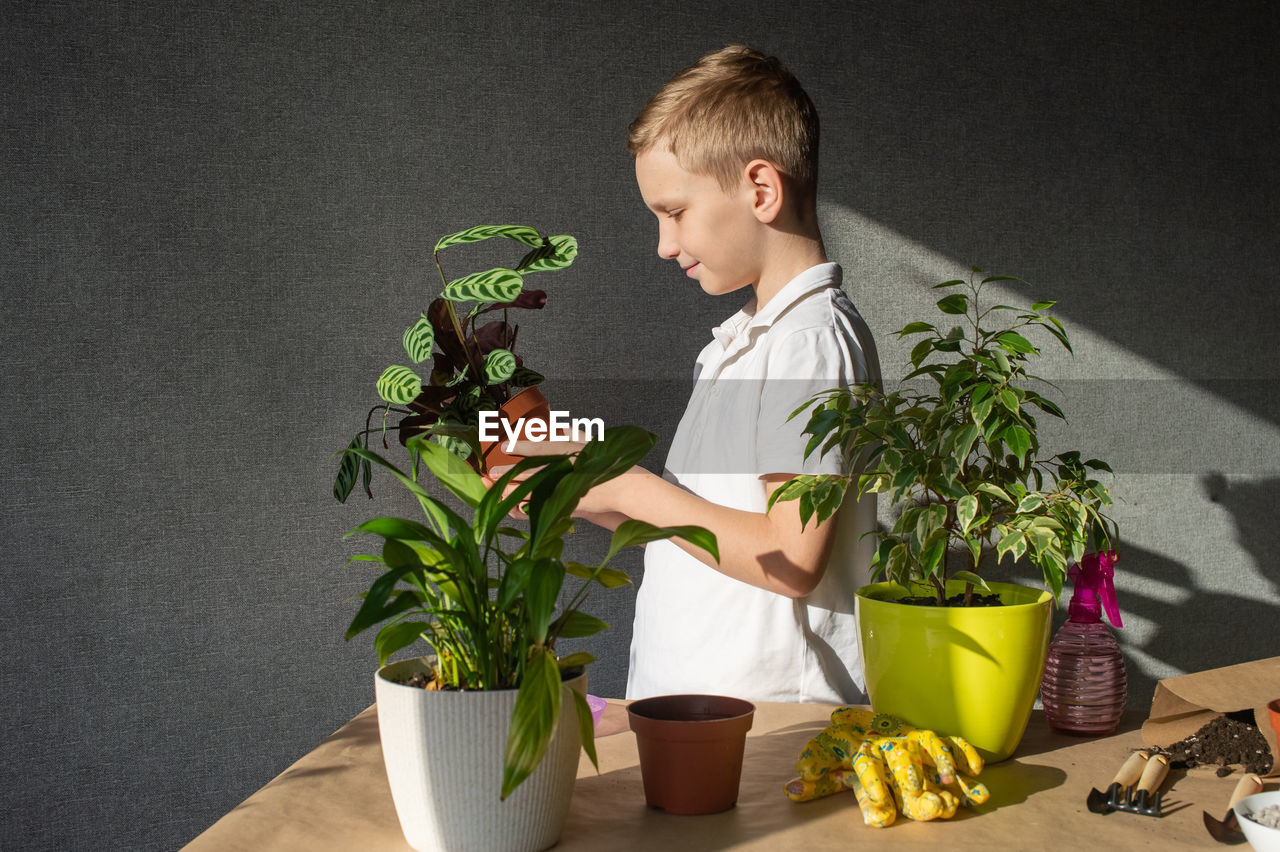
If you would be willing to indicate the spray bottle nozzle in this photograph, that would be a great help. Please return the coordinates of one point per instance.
(1093, 581)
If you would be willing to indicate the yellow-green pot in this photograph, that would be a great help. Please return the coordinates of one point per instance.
(967, 671)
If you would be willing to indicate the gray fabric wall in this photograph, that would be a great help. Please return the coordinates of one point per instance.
(216, 219)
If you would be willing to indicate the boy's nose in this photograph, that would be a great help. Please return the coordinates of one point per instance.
(668, 249)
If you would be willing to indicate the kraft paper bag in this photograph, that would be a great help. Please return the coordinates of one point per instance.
(1183, 705)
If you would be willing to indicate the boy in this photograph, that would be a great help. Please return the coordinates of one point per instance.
(726, 157)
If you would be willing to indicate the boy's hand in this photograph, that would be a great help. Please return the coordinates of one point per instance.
(597, 505)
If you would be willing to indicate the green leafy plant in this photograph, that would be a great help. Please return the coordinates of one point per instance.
(962, 457)
(484, 594)
(474, 367)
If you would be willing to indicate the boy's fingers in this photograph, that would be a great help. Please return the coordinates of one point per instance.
(545, 448)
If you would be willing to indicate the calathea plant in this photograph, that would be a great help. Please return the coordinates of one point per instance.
(474, 367)
(483, 594)
(961, 457)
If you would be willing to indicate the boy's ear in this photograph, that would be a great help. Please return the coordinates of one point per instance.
(766, 189)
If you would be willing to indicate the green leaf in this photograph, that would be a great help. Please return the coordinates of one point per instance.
(375, 608)
(994, 491)
(493, 285)
(519, 233)
(525, 378)
(556, 252)
(980, 408)
(532, 720)
(399, 385)
(970, 577)
(1014, 342)
(419, 339)
(1031, 502)
(348, 472)
(953, 283)
(1043, 306)
(397, 636)
(573, 661)
(956, 303)
(610, 578)
(456, 475)
(576, 624)
(921, 350)
(586, 726)
(633, 532)
(1019, 441)
(934, 548)
(540, 596)
(514, 581)
(963, 441)
(915, 328)
(499, 366)
(396, 528)
(1014, 541)
(966, 511)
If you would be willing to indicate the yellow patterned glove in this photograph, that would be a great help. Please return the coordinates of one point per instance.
(890, 766)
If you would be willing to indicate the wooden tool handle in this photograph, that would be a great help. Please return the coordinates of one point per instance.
(1153, 776)
(1132, 770)
(1248, 785)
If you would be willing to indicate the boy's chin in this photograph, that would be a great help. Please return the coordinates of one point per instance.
(714, 287)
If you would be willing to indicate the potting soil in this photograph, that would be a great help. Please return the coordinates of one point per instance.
(1227, 740)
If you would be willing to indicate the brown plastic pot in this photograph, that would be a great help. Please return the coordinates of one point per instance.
(691, 750)
(529, 404)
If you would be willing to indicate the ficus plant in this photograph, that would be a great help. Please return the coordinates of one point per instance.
(484, 594)
(473, 365)
(956, 448)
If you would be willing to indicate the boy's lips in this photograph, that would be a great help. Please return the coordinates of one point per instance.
(688, 270)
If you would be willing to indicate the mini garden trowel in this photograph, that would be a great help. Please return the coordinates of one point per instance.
(1227, 830)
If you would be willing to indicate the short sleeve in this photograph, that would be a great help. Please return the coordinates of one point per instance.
(800, 366)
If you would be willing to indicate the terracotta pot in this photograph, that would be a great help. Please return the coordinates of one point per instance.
(1273, 710)
(444, 754)
(529, 404)
(691, 750)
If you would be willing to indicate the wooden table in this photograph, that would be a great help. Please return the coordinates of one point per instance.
(337, 798)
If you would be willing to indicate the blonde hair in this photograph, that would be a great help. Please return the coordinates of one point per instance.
(728, 108)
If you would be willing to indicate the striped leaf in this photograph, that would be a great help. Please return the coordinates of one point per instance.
(419, 339)
(524, 377)
(557, 252)
(493, 285)
(399, 385)
(499, 366)
(519, 233)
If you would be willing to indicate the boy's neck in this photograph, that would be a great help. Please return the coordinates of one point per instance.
(790, 251)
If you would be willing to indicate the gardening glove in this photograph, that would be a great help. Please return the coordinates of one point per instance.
(889, 765)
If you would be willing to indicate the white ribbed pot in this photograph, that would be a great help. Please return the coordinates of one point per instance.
(444, 754)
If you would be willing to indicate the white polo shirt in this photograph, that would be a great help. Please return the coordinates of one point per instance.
(699, 631)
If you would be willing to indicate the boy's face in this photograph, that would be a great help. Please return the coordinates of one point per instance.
(712, 234)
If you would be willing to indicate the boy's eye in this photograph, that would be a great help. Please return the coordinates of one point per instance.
(676, 214)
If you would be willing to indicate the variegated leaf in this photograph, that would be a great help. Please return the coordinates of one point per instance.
(399, 385)
(493, 285)
(557, 252)
(499, 366)
(524, 377)
(519, 233)
(419, 339)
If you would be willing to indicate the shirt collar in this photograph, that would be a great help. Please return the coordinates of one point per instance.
(814, 278)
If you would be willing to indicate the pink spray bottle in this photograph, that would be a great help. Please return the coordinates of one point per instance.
(1084, 685)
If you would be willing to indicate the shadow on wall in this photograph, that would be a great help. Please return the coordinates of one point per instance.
(1188, 633)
